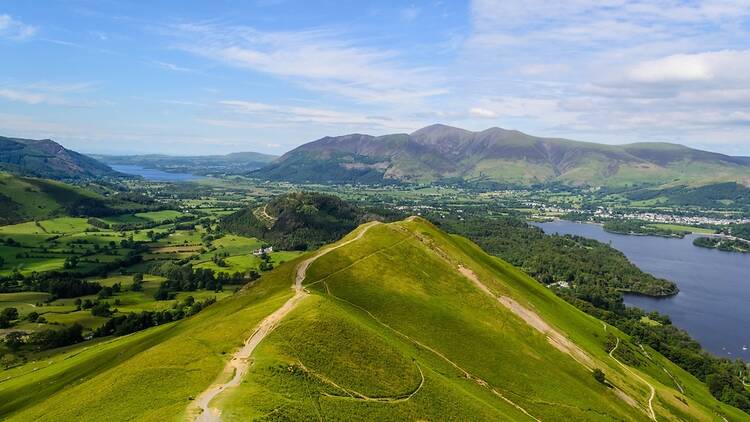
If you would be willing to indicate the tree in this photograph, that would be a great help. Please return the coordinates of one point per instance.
(70, 262)
(14, 340)
(105, 292)
(9, 313)
(599, 375)
(101, 309)
(137, 285)
(32, 316)
(2, 261)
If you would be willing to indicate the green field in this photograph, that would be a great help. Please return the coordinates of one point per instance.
(681, 228)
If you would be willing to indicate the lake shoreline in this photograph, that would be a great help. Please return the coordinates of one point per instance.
(713, 287)
(155, 175)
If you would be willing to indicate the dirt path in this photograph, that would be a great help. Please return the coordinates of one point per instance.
(355, 395)
(557, 339)
(466, 373)
(264, 211)
(651, 412)
(240, 362)
(554, 337)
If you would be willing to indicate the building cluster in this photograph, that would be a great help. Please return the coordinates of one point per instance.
(263, 251)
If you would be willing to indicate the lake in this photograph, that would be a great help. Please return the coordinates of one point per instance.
(714, 300)
(154, 174)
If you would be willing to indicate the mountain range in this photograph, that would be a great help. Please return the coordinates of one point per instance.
(446, 154)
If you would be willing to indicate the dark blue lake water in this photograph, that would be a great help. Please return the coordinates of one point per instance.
(154, 174)
(714, 300)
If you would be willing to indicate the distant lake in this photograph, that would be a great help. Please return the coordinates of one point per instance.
(154, 174)
(714, 300)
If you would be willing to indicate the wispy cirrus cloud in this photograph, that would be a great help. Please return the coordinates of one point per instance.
(263, 113)
(50, 94)
(321, 60)
(15, 30)
(172, 67)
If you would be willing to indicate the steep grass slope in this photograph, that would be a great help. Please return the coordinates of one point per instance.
(403, 323)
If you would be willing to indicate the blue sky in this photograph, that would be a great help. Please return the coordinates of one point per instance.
(189, 77)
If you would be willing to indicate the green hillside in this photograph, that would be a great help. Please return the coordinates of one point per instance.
(399, 321)
(495, 156)
(23, 198)
(27, 198)
(48, 159)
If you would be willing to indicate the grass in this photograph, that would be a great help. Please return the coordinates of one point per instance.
(159, 216)
(383, 312)
(682, 228)
(36, 199)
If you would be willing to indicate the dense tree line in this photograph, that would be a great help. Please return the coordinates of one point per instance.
(596, 275)
(187, 279)
(740, 230)
(59, 284)
(132, 322)
(45, 339)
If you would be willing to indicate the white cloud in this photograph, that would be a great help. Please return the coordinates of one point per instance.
(482, 112)
(318, 59)
(172, 67)
(15, 30)
(717, 66)
(612, 70)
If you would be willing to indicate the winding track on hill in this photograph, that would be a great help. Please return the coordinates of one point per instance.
(651, 412)
(240, 362)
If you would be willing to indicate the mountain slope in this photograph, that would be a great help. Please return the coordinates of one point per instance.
(401, 322)
(48, 159)
(440, 153)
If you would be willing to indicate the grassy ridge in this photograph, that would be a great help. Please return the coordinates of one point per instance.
(396, 276)
(391, 331)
